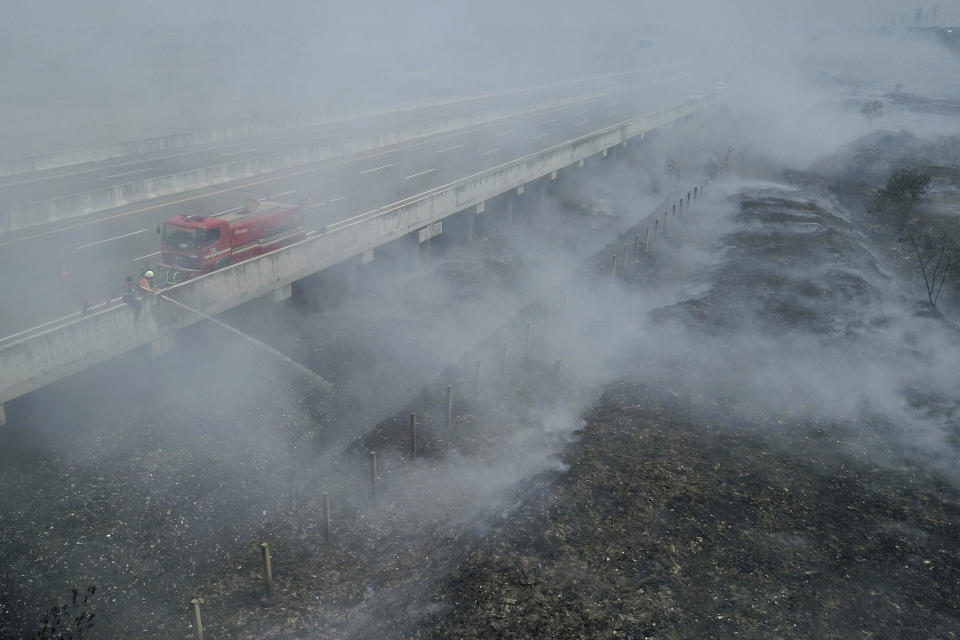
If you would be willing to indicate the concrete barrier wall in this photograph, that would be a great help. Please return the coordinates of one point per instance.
(39, 359)
(59, 159)
(81, 204)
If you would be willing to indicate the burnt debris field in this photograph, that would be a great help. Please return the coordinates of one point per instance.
(742, 424)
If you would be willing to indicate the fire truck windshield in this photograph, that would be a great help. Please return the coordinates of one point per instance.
(182, 237)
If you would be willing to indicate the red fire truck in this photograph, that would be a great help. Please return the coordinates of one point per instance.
(194, 245)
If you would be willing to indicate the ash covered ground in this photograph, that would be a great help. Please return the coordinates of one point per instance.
(749, 431)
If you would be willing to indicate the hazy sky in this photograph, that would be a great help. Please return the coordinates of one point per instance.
(450, 13)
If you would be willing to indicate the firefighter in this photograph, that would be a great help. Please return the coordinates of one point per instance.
(130, 291)
(173, 274)
(146, 282)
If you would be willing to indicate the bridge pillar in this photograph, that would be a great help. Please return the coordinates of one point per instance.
(471, 221)
(163, 344)
(3, 415)
(353, 267)
(509, 209)
(415, 252)
(282, 293)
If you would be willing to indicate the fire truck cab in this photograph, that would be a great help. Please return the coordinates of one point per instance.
(194, 245)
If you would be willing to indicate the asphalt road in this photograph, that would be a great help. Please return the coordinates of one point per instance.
(49, 271)
(45, 185)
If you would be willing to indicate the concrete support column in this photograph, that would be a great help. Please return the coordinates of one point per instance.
(363, 274)
(163, 344)
(510, 199)
(411, 240)
(3, 415)
(282, 293)
(470, 223)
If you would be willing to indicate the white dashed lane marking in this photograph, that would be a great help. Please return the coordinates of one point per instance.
(422, 173)
(376, 168)
(93, 244)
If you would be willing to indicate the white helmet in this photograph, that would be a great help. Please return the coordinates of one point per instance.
(149, 274)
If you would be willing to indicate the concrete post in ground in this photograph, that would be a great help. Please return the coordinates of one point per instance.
(267, 569)
(506, 353)
(449, 404)
(656, 226)
(197, 622)
(695, 189)
(636, 247)
(325, 507)
(613, 272)
(374, 475)
(476, 381)
(3, 415)
(646, 237)
(673, 210)
(529, 337)
(413, 436)
(688, 199)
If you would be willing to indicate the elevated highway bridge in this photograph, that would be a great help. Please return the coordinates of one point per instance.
(354, 208)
